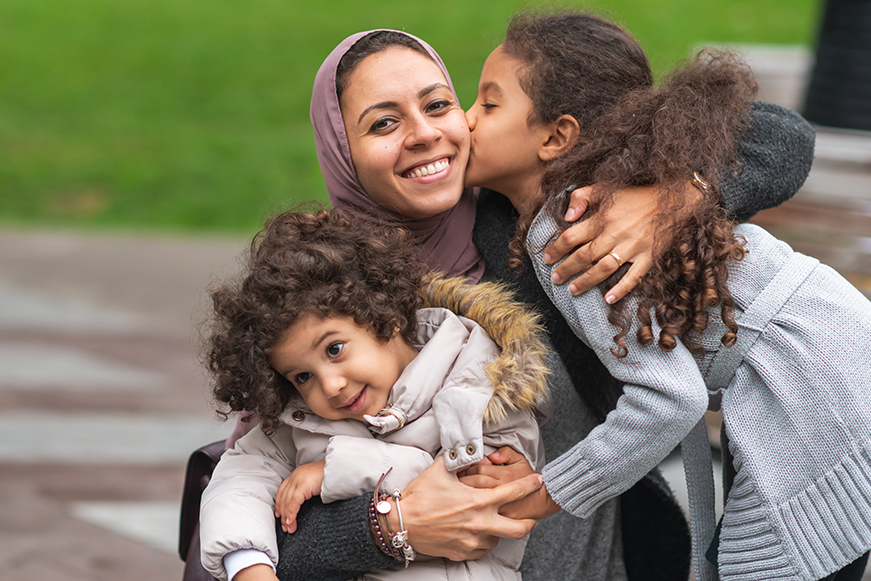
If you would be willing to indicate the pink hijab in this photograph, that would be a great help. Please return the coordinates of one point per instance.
(446, 239)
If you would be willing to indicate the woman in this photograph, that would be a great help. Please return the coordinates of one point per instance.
(398, 115)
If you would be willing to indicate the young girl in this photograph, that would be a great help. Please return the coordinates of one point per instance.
(358, 389)
(782, 348)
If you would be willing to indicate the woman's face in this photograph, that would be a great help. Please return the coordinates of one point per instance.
(408, 135)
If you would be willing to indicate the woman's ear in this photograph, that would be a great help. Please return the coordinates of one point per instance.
(562, 136)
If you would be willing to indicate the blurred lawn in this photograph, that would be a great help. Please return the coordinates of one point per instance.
(193, 114)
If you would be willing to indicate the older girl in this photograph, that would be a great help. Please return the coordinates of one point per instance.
(728, 315)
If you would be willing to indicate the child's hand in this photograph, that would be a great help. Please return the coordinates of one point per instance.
(302, 484)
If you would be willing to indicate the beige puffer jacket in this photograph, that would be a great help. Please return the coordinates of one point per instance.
(462, 396)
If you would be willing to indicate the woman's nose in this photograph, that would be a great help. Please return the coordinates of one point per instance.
(422, 132)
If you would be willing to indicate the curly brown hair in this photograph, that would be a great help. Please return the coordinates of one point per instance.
(633, 133)
(324, 263)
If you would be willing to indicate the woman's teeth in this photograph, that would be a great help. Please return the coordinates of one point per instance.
(428, 170)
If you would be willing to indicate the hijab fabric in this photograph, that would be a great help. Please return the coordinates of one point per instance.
(445, 239)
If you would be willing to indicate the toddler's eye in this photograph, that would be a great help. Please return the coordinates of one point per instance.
(302, 378)
(334, 349)
(488, 105)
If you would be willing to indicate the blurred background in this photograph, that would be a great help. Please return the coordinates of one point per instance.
(191, 115)
(142, 143)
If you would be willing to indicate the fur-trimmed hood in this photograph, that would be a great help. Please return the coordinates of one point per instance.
(519, 373)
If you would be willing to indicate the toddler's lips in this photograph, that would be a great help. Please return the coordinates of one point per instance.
(357, 403)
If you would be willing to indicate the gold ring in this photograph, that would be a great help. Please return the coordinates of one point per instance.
(617, 258)
(700, 183)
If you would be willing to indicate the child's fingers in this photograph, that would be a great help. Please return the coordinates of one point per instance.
(478, 480)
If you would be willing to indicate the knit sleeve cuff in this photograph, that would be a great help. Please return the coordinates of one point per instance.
(573, 486)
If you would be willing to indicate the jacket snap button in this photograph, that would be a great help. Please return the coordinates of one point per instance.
(298, 415)
(452, 454)
(470, 450)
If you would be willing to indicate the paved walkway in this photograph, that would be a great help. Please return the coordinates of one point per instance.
(101, 400)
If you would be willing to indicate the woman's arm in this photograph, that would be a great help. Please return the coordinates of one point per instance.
(776, 155)
(444, 518)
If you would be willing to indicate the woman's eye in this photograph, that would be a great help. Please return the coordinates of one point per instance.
(437, 106)
(302, 378)
(488, 105)
(334, 349)
(381, 125)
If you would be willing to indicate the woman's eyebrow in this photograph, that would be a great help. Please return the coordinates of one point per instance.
(382, 105)
(427, 90)
(387, 104)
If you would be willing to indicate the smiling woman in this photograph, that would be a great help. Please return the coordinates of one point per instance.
(407, 133)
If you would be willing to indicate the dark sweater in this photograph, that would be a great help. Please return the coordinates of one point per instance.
(333, 542)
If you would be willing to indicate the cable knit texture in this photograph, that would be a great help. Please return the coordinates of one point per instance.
(796, 409)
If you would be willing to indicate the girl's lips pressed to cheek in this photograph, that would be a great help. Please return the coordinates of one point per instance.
(428, 169)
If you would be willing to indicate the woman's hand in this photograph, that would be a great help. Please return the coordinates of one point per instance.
(507, 465)
(446, 518)
(628, 235)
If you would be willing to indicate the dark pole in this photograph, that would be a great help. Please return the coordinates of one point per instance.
(839, 94)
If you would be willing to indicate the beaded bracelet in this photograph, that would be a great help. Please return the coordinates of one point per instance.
(377, 533)
(376, 528)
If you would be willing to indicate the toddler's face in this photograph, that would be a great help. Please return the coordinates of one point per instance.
(505, 143)
(340, 369)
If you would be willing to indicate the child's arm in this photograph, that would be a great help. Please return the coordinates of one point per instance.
(237, 510)
(353, 466)
(664, 397)
(302, 484)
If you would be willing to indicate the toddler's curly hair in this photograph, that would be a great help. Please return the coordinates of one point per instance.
(326, 264)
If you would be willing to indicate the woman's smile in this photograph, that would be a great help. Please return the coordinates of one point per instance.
(434, 170)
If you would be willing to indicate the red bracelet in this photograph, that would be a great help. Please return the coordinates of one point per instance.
(378, 535)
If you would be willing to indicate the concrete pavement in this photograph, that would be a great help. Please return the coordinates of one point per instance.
(101, 399)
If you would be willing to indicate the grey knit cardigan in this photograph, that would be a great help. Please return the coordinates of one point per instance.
(796, 402)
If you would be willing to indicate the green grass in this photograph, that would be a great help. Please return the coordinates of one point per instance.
(193, 114)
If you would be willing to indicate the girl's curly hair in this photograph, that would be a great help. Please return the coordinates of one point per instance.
(633, 133)
(326, 264)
